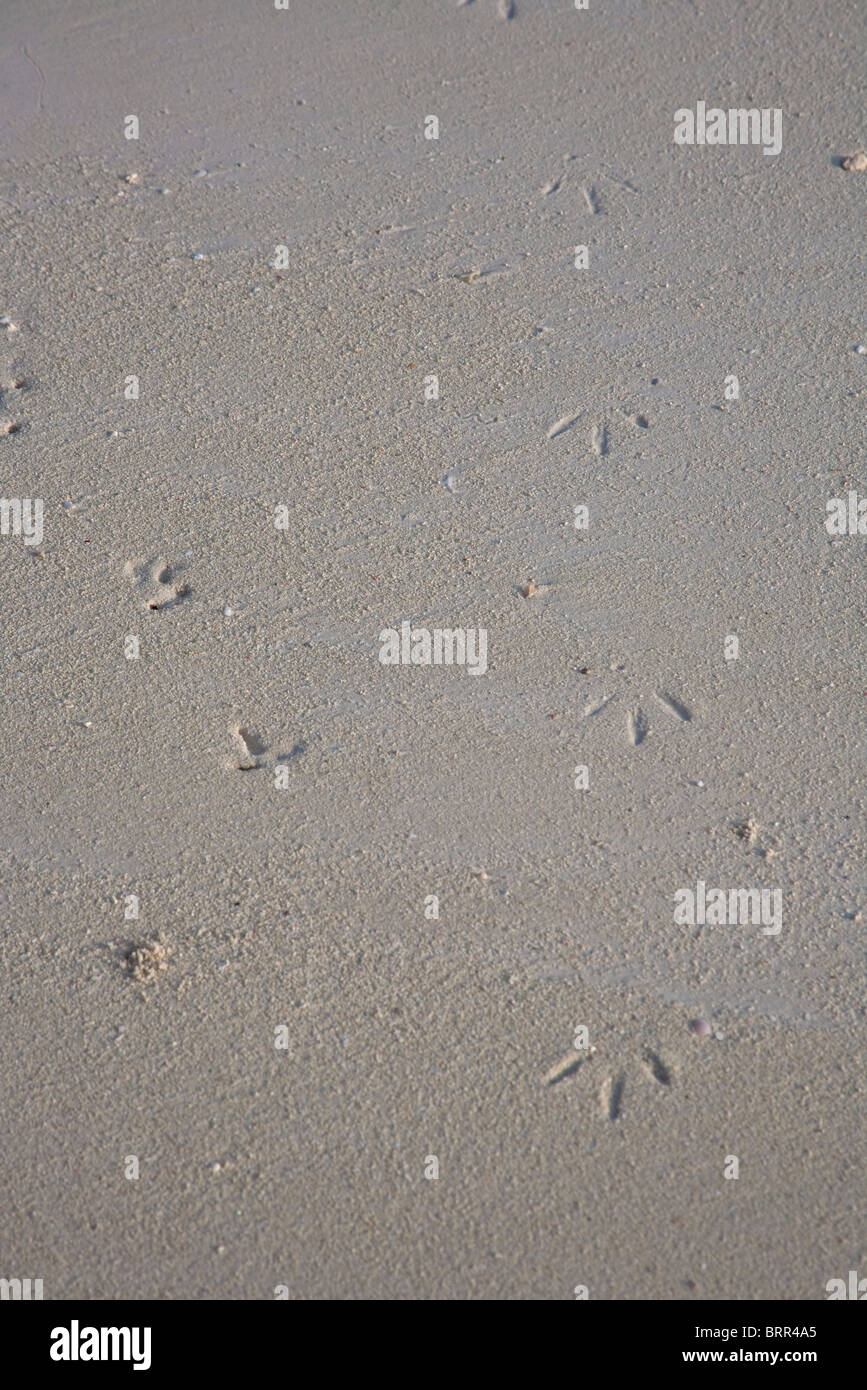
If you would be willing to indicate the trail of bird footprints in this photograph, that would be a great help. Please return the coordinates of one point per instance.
(10, 388)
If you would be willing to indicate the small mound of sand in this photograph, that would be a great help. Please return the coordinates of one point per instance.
(145, 963)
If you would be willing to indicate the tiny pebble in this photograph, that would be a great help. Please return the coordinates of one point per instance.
(855, 163)
(701, 1027)
(860, 348)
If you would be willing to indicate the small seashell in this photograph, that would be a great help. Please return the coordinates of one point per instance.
(855, 163)
(700, 1027)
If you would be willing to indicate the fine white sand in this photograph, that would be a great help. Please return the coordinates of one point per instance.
(295, 913)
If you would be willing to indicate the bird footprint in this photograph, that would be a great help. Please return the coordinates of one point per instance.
(157, 583)
(249, 748)
(613, 1088)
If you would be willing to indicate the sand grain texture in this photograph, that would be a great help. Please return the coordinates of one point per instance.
(302, 906)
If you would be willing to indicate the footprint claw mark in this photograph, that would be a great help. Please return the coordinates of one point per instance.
(657, 1068)
(599, 440)
(157, 583)
(18, 383)
(553, 186)
(562, 425)
(674, 706)
(597, 706)
(472, 277)
(591, 198)
(506, 9)
(567, 1065)
(639, 727)
(250, 748)
(611, 1095)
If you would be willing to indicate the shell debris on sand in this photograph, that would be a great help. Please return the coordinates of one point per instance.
(854, 163)
(533, 590)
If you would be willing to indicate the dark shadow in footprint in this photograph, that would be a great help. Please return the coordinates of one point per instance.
(250, 749)
(612, 1096)
(293, 753)
(638, 727)
(675, 706)
(658, 1070)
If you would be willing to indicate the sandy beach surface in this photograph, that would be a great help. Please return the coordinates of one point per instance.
(364, 981)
